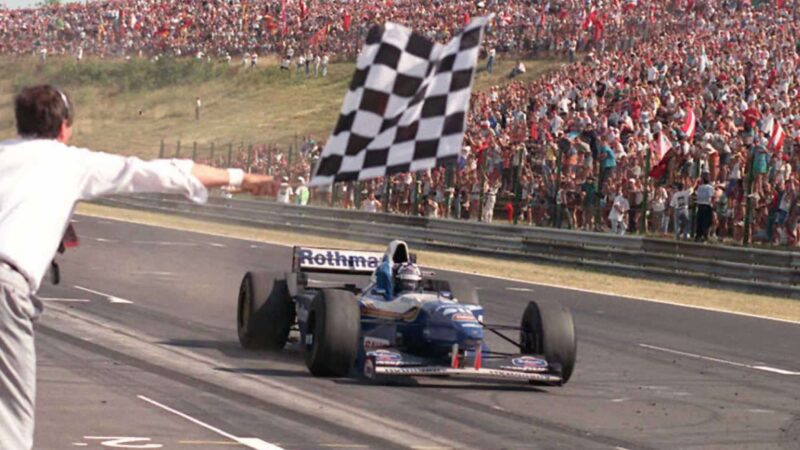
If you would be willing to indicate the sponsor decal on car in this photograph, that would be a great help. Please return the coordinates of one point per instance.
(374, 342)
(527, 364)
(385, 357)
(338, 260)
(457, 313)
(463, 317)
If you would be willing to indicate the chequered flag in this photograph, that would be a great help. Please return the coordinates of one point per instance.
(406, 107)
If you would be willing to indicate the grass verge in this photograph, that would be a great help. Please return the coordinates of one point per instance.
(127, 107)
(760, 305)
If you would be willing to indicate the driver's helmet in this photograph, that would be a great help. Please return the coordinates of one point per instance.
(407, 278)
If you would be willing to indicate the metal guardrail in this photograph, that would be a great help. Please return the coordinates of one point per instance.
(773, 272)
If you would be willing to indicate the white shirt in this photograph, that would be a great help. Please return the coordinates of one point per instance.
(704, 194)
(619, 208)
(285, 193)
(43, 179)
(680, 199)
(369, 205)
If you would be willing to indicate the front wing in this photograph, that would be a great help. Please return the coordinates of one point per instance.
(476, 364)
(469, 372)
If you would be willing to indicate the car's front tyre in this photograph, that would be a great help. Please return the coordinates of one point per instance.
(334, 326)
(547, 329)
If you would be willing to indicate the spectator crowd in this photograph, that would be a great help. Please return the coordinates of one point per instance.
(673, 117)
(299, 28)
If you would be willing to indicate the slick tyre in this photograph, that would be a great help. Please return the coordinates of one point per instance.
(548, 329)
(265, 312)
(334, 326)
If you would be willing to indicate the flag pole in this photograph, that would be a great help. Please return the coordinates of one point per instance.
(646, 187)
(748, 213)
(244, 15)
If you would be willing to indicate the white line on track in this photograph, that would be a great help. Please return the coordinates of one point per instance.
(516, 289)
(165, 243)
(111, 298)
(496, 277)
(65, 300)
(158, 273)
(253, 443)
(721, 361)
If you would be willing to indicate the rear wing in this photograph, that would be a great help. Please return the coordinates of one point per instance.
(326, 260)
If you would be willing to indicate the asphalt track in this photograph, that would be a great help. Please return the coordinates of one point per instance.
(138, 349)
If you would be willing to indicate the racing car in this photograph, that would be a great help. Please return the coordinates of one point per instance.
(402, 322)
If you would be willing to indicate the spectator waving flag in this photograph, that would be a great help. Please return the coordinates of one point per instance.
(776, 136)
(689, 124)
(660, 146)
(406, 106)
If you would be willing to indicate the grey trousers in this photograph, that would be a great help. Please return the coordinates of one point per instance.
(18, 310)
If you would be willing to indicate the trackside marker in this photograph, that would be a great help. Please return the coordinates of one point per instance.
(721, 361)
(253, 443)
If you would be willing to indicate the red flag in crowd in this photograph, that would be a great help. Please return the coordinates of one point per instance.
(466, 18)
(630, 5)
(599, 26)
(689, 124)
(660, 169)
(271, 24)
(303, 10)
(776, 136)
(320, 36)
(689, 6)
(588, 18)
(534, 131)
(346, 19)
(660, 146)
(543, 17)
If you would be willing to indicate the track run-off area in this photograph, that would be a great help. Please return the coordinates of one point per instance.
(138, 349)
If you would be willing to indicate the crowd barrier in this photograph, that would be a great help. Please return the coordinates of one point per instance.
(772, 272)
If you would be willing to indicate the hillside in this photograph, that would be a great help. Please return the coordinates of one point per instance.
(129, 106)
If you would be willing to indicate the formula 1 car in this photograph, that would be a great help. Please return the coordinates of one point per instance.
(435, 328)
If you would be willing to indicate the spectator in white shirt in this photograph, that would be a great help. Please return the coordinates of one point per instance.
(370, 204)
(325, 60)
(42, 179)
(619, 209)
(680, 207)
(285, 192)
(317, 63)
(705, 196)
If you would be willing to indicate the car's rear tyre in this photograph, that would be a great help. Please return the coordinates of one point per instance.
(334, 326)
(548, 329)
(265, 312)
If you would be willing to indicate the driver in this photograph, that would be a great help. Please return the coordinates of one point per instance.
(407, 278)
